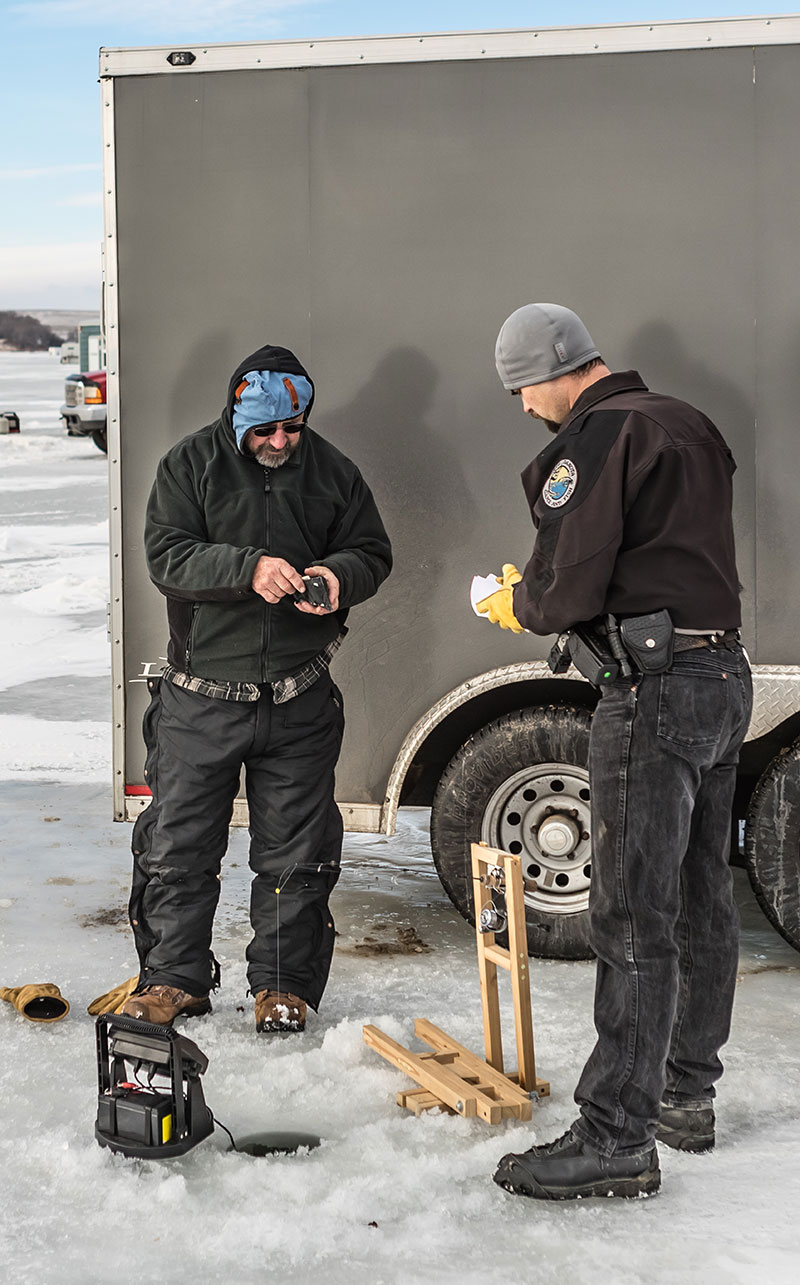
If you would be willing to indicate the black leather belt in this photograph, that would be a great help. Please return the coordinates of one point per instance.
(686, 642)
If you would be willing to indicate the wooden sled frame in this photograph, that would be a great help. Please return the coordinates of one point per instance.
(452, 1078)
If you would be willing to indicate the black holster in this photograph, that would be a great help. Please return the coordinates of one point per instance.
(586, 649)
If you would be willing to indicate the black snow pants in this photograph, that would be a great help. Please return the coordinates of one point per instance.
(196, 746)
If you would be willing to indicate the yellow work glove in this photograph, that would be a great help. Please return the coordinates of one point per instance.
(499, 605)
(113, 1000)
(39, 1002)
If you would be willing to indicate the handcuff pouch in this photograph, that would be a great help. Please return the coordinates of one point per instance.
(649, 640)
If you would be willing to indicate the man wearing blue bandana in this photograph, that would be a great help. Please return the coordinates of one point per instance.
(240, 512)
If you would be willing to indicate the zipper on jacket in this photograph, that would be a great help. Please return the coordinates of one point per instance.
(266, 619)
(189, 637)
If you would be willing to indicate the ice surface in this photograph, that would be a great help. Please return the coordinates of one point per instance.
(53, 574)
(33, 748)
(387, 1197)
(12, 483)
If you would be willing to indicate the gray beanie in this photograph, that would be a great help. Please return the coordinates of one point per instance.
(539, 342)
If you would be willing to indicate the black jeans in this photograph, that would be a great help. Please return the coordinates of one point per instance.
(664, 927)
(196, 746)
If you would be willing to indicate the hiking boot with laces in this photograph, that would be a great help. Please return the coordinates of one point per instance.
(162, 1004)
(280, 1011)
(687, 1128)
(567, 1169)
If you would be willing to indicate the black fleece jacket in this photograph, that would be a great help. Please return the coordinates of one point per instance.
(632, 501)
(213, 512)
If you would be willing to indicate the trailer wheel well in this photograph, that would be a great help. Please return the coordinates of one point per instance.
(754, 760)
(447, 737)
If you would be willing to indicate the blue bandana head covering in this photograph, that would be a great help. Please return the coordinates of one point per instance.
(264, 396)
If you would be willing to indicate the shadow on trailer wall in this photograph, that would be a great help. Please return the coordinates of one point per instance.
(400, 197)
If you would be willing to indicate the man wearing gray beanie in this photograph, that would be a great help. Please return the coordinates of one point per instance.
(634, 555)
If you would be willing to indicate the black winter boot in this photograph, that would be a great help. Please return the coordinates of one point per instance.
(568, 1169)
(687, 1128)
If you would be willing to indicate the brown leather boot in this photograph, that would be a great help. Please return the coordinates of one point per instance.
(280, 1011)
(162, 1004)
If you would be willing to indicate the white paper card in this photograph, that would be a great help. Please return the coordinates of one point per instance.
(482, 587)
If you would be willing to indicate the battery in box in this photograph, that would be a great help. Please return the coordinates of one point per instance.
(140, 1115)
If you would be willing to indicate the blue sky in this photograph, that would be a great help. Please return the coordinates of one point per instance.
(50, 212)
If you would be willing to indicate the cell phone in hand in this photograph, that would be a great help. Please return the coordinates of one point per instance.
(315, 592)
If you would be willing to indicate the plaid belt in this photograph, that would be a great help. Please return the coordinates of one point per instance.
(685, 642)
(283, 689)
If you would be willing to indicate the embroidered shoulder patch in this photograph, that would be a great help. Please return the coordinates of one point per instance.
(560, 484)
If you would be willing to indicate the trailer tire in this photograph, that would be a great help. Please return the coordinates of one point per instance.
(772, 843)
(507, 778)
(100, 439)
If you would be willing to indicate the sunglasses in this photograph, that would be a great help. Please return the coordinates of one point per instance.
(288, 426)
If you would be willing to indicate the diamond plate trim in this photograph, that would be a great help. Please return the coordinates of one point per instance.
(776, 696)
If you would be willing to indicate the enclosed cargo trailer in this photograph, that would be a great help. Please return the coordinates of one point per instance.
(380, 206)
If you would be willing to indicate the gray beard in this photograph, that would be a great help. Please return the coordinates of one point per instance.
(273, 459)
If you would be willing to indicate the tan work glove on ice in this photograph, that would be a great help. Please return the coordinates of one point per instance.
(498, 607)
(39, 1002)
(113, 1000)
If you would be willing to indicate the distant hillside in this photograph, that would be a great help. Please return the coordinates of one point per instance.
(63, 321)
(22, 333)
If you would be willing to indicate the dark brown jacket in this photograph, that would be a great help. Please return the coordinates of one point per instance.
(632, 503)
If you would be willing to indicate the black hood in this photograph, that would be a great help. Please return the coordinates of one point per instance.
(267, 358)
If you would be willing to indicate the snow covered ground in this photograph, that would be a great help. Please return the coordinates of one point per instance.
(387, 1197)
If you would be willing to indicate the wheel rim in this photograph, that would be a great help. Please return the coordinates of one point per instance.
(543, 814)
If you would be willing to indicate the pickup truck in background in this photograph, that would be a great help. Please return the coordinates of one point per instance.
(84, 408)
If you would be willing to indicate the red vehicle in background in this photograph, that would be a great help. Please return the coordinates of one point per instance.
(84, 409)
